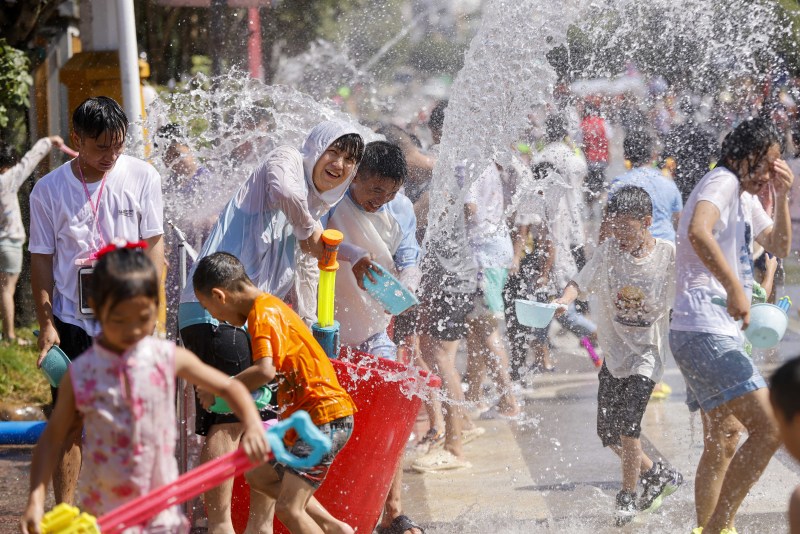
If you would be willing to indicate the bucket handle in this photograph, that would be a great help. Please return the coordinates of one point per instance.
(301, 423)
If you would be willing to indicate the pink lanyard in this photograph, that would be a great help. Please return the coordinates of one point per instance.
(95, 208)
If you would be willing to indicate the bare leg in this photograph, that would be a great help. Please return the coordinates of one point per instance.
(394, 506)
(644, 465)
(631, 462)
(291, 506)
(8, 284)
(221, 439)
(755, 413)
(433, 406)
(541, 354)
(65, 476)
(440, 356)
(476, 363)
(497, 361)
(720, 439)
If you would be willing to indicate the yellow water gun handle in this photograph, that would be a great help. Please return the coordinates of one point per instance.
(67, 519)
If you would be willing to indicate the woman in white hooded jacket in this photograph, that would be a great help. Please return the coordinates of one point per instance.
(273, 212)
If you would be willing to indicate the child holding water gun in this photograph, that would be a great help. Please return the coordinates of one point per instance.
(632, 276)
(123, 388)
(282, 345)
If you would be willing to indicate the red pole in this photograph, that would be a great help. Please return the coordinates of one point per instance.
(254, 44)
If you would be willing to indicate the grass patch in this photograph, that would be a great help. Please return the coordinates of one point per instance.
(20, 380)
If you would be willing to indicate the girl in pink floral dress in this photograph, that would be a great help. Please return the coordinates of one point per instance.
(123, 388)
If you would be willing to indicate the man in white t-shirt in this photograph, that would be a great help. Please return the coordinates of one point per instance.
(76, 210)
(722, 219)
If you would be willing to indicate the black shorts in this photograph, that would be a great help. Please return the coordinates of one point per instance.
(405, 325)
(226, 348)
(74, 341)
(443, 315)
(621, 403)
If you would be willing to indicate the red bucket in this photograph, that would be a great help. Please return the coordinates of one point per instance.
(358, 482)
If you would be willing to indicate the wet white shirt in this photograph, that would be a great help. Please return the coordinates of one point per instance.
(741, 220)
(63, 223)
(634, 296)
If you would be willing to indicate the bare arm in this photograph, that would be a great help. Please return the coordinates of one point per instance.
(704, 218)
(794, 512)
(155, 251)
(313, 245)
(190, 368)
(42, 283)
(567, 297)
(46, 454)
(777, 239)
(518, 236)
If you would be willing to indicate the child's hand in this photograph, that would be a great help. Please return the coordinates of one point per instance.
(31, 520)
(206, 398)
(739, 306)
(771, 265)
(57, 141)
(365, 267)
(254, 443)
(783, 177)
(562, 306)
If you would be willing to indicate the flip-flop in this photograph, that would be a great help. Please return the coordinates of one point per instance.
(400, 524)
(472, 434)
(438, 460)
(494, 413)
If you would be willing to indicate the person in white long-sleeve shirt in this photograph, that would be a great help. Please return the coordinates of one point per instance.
(13, 173)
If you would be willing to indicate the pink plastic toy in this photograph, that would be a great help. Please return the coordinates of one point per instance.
(587, 344)
(68, 151)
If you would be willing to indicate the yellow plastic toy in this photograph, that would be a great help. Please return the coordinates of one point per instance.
(327, 277)
(66, 519)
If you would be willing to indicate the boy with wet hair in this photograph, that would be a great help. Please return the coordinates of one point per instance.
(275, 210)
(784, 385)
(379, 222)
(283, 347)
(632, 276)
(76, 210)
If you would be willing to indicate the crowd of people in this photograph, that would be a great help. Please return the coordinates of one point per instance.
(634, 262)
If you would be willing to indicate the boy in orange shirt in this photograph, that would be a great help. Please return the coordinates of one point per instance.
(307, 382)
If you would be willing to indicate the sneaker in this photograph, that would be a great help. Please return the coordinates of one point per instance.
(626, 508)
(658, 483)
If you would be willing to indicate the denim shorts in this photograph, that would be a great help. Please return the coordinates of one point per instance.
(715, 367)
(379, 345)
(339, 431)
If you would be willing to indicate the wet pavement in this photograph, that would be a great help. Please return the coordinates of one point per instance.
(549, 472)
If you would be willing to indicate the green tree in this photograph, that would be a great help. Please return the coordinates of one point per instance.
(15, 84)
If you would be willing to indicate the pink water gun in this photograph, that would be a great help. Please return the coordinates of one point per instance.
(66, 519)
(587, 344)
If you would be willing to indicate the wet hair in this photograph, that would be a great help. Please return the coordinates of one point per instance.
(555, 128)
(630, 201)
(100, 114)
(169, 133)
(638, 148)
(436, 119)
(395, 135)
(352, 144)
(783, 388)
(220, 270)
(749, 141)
(384, 160)
(8, 156)
(123, 274)
(542, 170)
